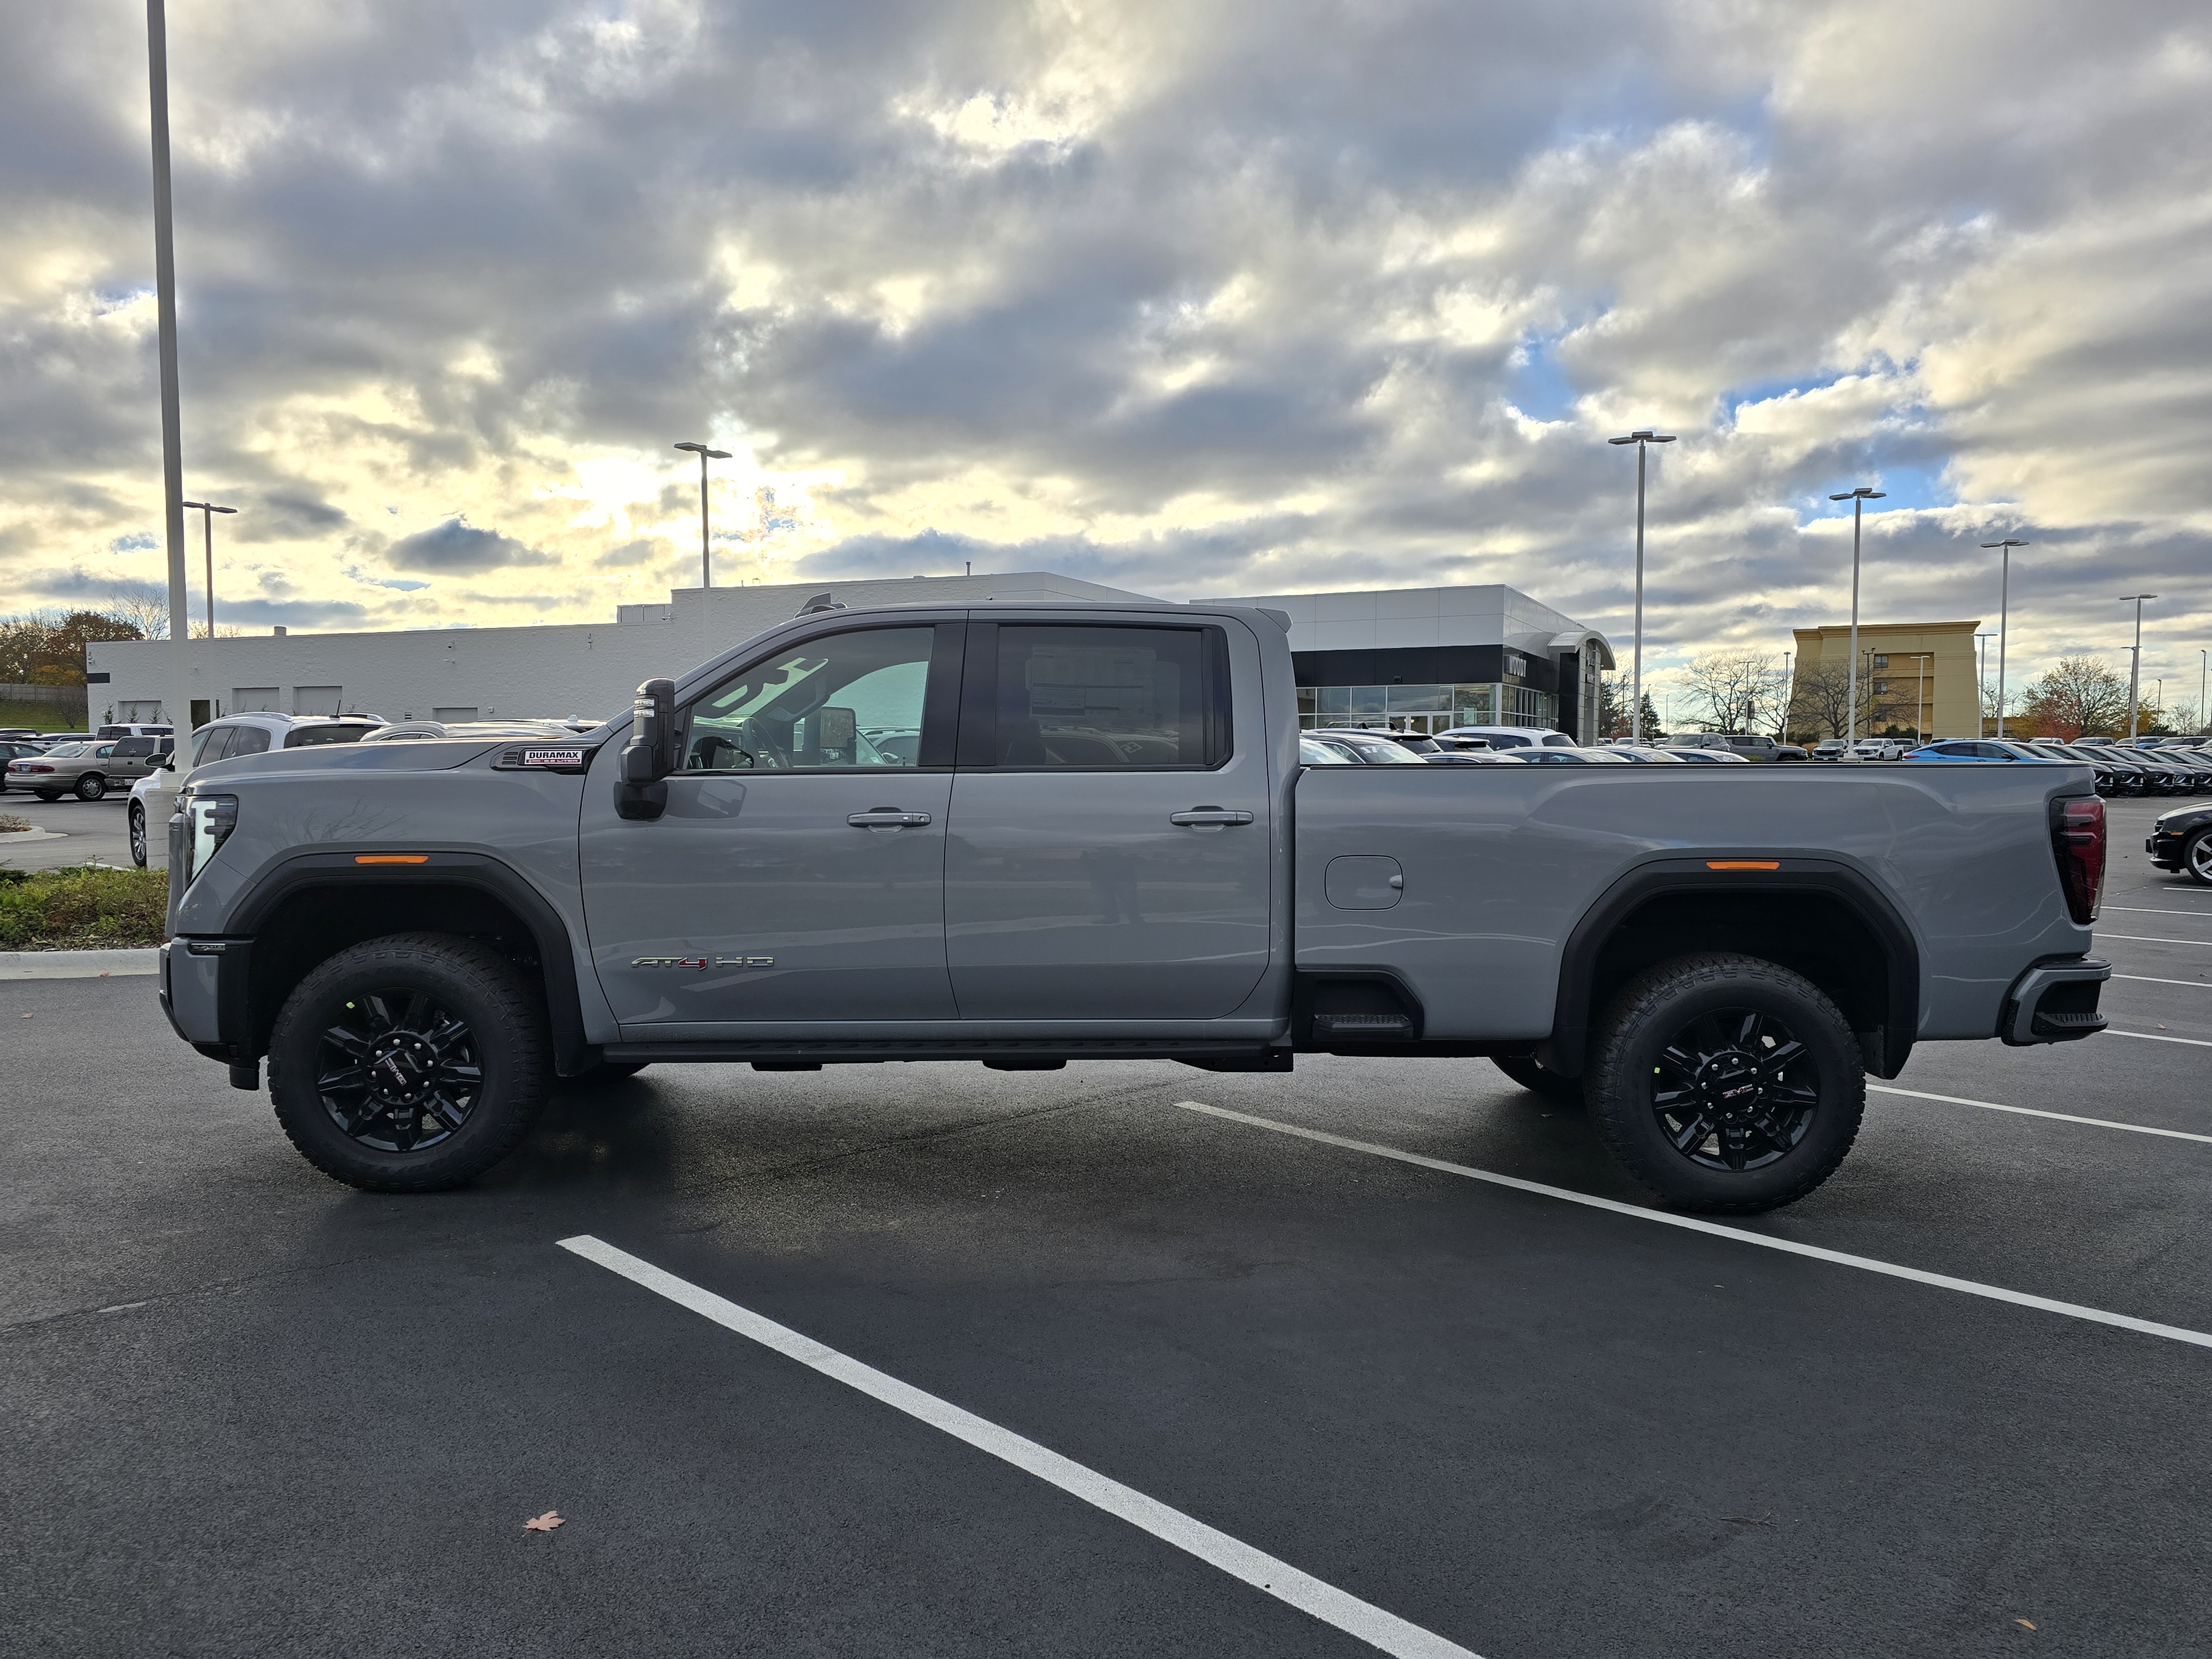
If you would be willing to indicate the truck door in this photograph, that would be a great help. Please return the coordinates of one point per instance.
(798, 872)
(1109, 853)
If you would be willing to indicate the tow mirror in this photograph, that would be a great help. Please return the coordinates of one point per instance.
(650, 754)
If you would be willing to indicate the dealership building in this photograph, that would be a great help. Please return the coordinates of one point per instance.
(1415, 659)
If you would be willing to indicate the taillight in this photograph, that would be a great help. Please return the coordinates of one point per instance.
(2077, 837)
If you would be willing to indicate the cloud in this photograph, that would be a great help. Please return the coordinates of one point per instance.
(456, 548)
(1237, 298)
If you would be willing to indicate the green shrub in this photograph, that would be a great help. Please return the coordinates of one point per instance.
(83, 910)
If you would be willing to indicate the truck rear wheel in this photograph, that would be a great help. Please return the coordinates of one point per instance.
(1726, 1083)
(1533, 1075)
(408, 1064)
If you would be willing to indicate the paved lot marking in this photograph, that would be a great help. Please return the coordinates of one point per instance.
(2145, 978)
(2147, 911)
(2142, 939)
(2159, 1036)
(1691, 1224)
(2030, 1111)
(1378, 1629)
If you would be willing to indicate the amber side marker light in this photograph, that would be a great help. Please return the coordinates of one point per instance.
(1743, 863)
(390, 858)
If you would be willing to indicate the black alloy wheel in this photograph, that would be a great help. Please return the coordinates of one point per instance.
(1734, 1090)
(411, 1063)
(397, 1071)
(2197, 857)
(1725, 1082)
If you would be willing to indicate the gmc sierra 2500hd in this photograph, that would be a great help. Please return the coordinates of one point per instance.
(1024, 835)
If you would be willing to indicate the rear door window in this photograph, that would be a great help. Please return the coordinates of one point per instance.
(1096, 697)
(247, 740)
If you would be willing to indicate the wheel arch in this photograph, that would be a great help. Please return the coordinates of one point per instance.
(1819, 918)
(310, 908)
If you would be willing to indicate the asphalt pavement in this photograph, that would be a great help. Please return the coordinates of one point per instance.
(252, 1412)
(88, 831)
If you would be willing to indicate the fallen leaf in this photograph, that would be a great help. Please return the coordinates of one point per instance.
(544, 1522)
(2023, 1623)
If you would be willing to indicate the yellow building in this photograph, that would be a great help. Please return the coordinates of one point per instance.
(1915, 679)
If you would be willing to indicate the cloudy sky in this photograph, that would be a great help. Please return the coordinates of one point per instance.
(1236, 297)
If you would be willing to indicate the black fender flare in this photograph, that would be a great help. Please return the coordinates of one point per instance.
(1563, 1051)
(555, 953)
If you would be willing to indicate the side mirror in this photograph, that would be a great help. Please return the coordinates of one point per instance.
(650, 754)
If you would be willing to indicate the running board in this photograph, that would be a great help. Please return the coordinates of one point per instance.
(1010, 1054)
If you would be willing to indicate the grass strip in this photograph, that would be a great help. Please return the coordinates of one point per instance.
(82, 909)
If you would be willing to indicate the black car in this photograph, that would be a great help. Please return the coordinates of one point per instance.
(2111, 779)
(2182, 840)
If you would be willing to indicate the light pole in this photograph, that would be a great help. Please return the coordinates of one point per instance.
(2204, 715)
(1642, 438)
(165, 302)
(1981, 681)
(207, 510)
(1858, 498)
(2004, 614)
(1788, 688)
(2135, 663)
(705, 455)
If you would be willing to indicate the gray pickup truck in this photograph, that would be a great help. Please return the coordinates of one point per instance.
(1024, 835)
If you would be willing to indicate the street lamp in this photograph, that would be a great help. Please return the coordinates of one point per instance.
(1981, 681)
(2135, 663)
(207, 510)
(1858, 498)
(1642, 438)
(2004, 613)
(2203, 714)
(165, 311)
(705, 455)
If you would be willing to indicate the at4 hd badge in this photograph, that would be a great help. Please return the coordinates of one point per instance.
(702, 962)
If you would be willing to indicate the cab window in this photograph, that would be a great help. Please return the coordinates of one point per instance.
(847, 700)
(1107, 696)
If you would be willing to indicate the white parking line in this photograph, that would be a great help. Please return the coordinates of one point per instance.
(2030, 1111)
(2145, 978)
(1691, 1224)
(1378, 1629)
(2147, 911)
(2141, 938)
(2155, 1037)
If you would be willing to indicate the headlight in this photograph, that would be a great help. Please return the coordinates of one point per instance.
(209, 820)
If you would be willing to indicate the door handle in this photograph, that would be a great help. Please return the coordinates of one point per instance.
(887, 818)
(1209, 815)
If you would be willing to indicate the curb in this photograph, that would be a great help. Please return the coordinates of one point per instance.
(17, 837)
(77, 964)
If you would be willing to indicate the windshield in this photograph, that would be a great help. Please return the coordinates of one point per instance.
(1314, 752)
(1386, 754)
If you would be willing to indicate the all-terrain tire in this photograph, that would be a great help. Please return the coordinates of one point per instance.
(1534, 1076)
(1767, 1108)
(442, 1019)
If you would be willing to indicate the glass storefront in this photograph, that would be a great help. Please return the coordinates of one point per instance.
(1424, 709)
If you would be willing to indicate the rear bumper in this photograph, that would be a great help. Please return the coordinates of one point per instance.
(2055, 1001)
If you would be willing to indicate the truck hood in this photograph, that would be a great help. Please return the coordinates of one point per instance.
(424, 754)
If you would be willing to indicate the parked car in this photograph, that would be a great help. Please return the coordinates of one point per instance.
(2182, 840)
(1368, 748)
(1312, 751)
(1882, 748)
(154, 797)
(88, 770)
(1710, 756)
(1549, 755)
(1831, 749)
(130, 731)
(1646, 755)
(1749, 744)
(13, 749)
(2111, 778)
(422, 940)
(1513, 737)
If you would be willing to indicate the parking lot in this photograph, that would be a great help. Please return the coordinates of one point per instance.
(253, 1412)
(81, 831)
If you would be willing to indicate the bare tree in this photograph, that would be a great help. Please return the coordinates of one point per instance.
(1735, 691)
(142, 606)
(2080, 697)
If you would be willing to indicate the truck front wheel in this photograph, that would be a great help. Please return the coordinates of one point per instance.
(1726, 1083)
(408, 1064)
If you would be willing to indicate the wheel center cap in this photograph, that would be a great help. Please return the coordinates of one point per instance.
(399, 1068)
(1730, 1085)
